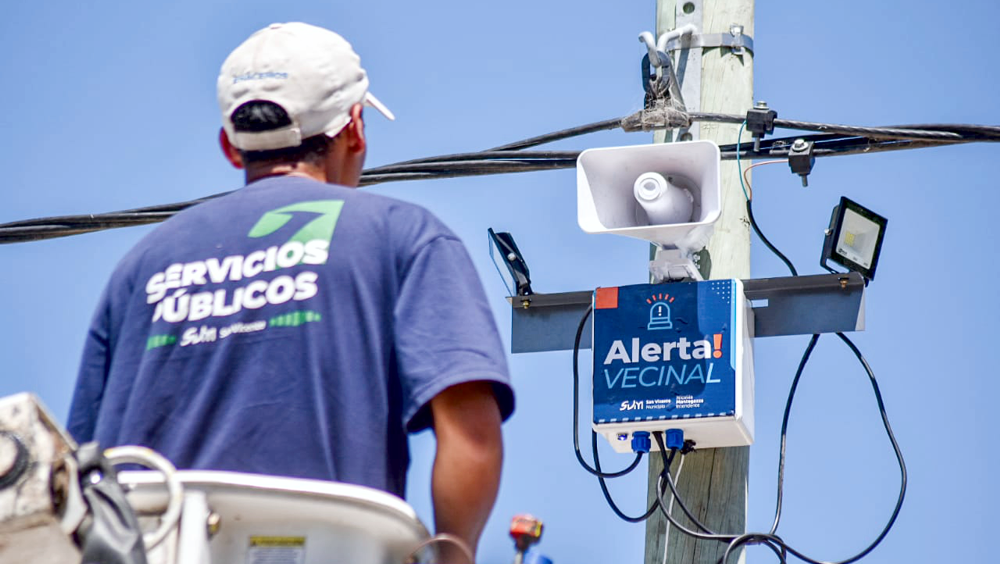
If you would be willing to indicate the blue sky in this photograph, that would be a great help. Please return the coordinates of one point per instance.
(111, 106)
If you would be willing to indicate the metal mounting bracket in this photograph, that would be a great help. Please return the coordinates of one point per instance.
(689, 66)
(791, 305)
(735, 40)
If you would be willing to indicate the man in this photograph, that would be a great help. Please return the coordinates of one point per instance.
(296, 326)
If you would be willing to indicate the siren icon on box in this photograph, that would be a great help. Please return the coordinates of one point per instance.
(659, 312)
(659, 316)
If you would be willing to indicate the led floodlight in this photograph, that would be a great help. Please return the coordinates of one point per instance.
(514, 271)
(854, 239)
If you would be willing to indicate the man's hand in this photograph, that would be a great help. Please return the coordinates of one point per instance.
(467, 465)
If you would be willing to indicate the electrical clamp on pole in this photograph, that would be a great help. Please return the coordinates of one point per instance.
(714, 484)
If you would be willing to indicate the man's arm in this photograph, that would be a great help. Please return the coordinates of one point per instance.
(467, 464)
(92, 377)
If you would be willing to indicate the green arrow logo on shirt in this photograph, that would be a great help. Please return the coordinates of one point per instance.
(319, 228)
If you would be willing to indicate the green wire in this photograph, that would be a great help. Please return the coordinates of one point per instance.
(739, 166)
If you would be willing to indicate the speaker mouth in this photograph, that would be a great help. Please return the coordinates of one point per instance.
(679, 181)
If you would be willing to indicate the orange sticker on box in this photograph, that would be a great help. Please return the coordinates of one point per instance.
(606, 298)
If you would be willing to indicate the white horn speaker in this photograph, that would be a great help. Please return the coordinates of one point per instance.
(665, 193)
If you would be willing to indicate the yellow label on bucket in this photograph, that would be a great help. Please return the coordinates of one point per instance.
(276, 550)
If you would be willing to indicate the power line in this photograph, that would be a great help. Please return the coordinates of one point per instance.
(831, 140)
(924, 133)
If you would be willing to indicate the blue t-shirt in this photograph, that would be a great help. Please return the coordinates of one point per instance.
(292, 328)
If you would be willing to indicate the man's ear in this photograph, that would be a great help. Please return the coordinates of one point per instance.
(356, 131)
(232, 153)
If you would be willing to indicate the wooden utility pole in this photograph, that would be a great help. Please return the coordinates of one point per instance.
(713, 483)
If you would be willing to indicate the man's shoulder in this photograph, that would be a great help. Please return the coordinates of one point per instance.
(232, 221)
(291, 190)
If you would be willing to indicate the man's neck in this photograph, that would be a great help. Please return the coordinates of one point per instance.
(258, 171)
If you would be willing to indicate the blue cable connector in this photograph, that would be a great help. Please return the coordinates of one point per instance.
(641, 442)
(535, 557)
(675, 439)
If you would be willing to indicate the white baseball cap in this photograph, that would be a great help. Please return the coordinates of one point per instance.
(311, 72)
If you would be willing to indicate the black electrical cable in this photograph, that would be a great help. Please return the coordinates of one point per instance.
(786, 415)
(864, 146)
(464, 165)
(767, 243)
(977, 132)
(597, 470)
(833, 140)
(773, 538)
(576, 411)
(826, 146)
(873, 132)
(484, 166)
(175, 207)
(899, 460)
(460, 169)
(479, 155)
(607, 124)
(706, 534)
(779, 496)
(771, 541)
(938, 132)
(928, 132)
(607, 494)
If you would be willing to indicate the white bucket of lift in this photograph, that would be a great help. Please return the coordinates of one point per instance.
(235, 518)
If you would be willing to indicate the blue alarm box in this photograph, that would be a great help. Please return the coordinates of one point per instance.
(674, 356)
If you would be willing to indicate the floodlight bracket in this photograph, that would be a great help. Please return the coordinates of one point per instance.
(790, 305)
